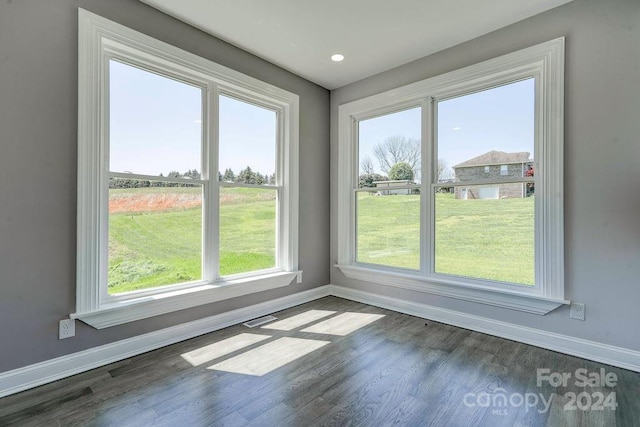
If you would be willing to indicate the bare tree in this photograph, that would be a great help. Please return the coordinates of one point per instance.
(398, 149)
(444, 172)
(366, 166)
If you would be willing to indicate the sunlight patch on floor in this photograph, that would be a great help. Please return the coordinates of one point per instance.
(269, 357)
(222, 348)
(299, 320)
(344, 323)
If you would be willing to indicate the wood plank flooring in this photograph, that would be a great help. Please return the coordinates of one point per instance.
(333, 362)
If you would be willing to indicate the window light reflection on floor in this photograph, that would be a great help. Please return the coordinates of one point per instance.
(299, 320)
(343, 324)
(281, 351)
(270, 356)
(222, 348)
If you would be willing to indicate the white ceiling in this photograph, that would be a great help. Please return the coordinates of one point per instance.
(374, 35)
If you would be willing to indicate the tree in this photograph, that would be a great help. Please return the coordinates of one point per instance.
(366, 166)
(396, 149)
(401, 171)
(193, 174)
(246, 176)
(173, 174)
(229, 176)
(443, 170)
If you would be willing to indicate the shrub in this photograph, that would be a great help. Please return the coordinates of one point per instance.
(401, 171)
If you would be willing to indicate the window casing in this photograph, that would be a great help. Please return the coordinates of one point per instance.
(544, 64)
(101, 43)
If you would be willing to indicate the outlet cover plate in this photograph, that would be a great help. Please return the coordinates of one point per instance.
(577, 311)
(67, 328)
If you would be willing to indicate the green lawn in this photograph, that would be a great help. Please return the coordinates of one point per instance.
(155, 248)
(487, 239)
(491, 239)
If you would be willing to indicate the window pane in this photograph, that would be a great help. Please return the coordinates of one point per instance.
(485, 238)
(247, 230)
(488, 134)
(388, 228)
(389, 148)
(155, 123)
(247, 142)
(155, 234)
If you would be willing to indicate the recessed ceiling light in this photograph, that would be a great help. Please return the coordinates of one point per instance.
(337, 57)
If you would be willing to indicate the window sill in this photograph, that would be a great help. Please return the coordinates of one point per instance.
(513, 300)
(148, 306)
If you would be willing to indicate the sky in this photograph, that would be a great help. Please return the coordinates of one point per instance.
(500, 118)
(156, 127)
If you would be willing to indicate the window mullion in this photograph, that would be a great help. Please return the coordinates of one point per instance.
(210, 219)
(427, 198)
(355, 147)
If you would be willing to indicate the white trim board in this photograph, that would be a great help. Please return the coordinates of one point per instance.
(586, 349)
(48, 371)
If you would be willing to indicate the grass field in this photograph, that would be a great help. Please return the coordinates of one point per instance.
(155, 235)
(157, 239)
(486, 239)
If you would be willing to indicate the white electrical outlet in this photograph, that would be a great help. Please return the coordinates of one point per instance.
(577, 311)
(67, 328)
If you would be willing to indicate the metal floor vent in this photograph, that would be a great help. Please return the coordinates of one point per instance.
(259, 321)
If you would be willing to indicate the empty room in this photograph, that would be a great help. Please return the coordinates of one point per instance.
(286, 213)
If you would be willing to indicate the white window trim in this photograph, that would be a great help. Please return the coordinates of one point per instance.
(99, 40)
(545, 62)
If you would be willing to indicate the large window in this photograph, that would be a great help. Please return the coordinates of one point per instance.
(453, 185)
(187, 179)
(388, 228)
(484, 228)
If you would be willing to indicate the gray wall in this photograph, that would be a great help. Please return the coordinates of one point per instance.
(602, 162)
(38, 122)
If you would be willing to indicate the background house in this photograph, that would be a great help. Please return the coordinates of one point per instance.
(493, 165)
(387, 187)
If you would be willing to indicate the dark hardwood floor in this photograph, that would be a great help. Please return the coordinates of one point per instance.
(335, 362)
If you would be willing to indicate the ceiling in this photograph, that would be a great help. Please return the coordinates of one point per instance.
(374, 35)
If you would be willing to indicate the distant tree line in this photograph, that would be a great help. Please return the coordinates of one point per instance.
(245, 176)
(248, 176)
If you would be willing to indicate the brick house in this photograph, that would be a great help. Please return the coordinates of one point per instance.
(494, 165)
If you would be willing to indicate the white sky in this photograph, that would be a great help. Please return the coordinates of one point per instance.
(156, 127)
(500, 119)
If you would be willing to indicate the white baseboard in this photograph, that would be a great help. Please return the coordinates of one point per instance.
(590, 350)
(61, 367)
(51, 370)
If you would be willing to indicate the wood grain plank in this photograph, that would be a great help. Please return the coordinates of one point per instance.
(394, 370)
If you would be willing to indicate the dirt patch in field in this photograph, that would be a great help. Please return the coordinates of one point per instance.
(127, 203)
(130, 202)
